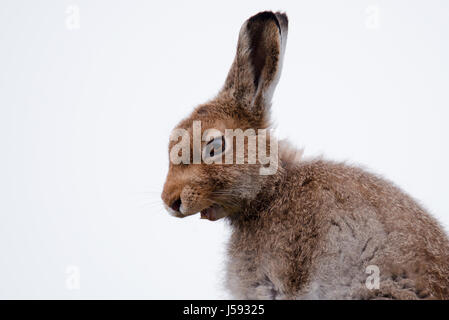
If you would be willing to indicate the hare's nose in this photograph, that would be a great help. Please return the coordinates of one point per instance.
(176, 204)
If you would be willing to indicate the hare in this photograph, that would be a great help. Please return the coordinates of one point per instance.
(313, 229)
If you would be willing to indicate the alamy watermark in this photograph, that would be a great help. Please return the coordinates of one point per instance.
(214, 145)
(72, 20)
(372, 17)
(373, 280)
(73, 278)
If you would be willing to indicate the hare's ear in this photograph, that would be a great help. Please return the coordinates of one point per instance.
(257, 66)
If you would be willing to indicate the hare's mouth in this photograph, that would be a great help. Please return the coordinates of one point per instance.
(213, 213)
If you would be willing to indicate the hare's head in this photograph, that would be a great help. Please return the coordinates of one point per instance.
(214, 167)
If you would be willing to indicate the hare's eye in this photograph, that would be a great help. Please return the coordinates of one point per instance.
(215, 146)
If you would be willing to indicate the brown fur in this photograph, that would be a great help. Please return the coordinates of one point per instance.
(310, 230)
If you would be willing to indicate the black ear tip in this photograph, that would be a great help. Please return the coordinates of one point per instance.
(280, 18)
(263, 16)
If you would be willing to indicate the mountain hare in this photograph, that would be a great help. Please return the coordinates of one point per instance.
(309, 229)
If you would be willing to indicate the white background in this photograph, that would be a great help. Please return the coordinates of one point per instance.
(85, 116)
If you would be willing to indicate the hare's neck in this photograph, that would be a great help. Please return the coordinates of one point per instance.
(272, 190)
